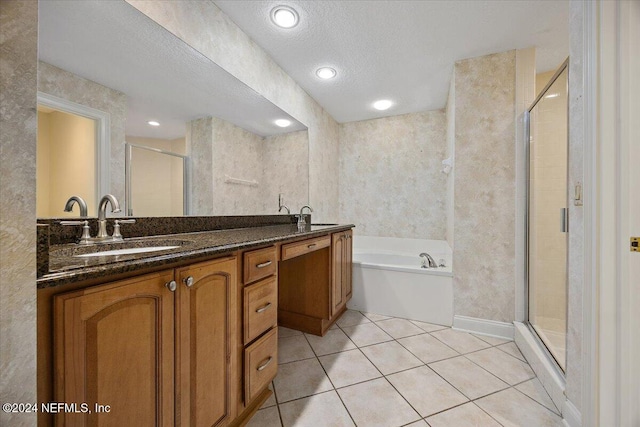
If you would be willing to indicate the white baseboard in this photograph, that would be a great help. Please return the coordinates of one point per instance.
(484, 327)
(571, 417)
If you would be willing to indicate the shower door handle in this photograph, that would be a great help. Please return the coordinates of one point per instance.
(564, 220)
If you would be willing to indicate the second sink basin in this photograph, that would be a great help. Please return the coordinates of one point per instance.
(128, 251)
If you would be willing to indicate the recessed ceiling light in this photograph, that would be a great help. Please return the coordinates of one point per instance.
(383, 104)
(326, 73)
(153, 123)
(552, 95)
(283, 123)
(284, 16)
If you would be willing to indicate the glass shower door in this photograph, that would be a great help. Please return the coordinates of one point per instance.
(547, 216)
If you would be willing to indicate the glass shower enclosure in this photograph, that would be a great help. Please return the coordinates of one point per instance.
(547, 215)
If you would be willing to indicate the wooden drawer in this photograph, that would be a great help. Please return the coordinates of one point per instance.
(260, 364)
(260, 308)
(292, 250)
(260, 263)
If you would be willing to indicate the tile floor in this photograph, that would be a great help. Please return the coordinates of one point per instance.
(376, 371)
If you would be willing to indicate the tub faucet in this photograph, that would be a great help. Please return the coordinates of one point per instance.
(301, 221)
(428, 261)
(81, 203)
(102, 215)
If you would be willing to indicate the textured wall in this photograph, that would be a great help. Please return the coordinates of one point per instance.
(63, 84)
(207, 29)
(390, 179)
(199, 148)
(285, 168)
(18, 82)
(236, 154)
(576, 224)
(451, 150)
(484, 209)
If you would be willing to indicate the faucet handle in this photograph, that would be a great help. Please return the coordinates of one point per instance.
(116, 227)
(85, 239)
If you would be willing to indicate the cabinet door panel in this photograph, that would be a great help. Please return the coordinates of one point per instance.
(337, 279)
(207, 315)
(114, 346)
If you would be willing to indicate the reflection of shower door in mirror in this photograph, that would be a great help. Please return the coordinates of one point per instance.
(155, 182)
(547, 216)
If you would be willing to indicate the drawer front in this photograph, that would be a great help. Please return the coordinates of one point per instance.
(292, 250)
(260, 364)
(260, 308)
(260, 263)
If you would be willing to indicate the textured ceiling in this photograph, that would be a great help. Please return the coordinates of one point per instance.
(113, 44)
(399, 50)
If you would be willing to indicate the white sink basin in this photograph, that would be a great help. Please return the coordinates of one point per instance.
(127, 251)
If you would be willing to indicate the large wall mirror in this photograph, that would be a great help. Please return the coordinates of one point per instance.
(114, 85)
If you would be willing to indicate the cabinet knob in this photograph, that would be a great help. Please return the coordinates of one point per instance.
(172, 285)
(188, 281)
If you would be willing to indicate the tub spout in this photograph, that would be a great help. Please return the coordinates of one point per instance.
(428, 261)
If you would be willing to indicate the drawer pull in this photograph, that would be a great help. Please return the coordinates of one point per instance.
(263, 308)
(172, 285)
(264, 264)
(188, 281)
(265, 364)
(311, 246)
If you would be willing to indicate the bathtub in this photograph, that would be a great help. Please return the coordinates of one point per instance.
(388, 279)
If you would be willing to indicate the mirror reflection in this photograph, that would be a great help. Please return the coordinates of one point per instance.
(143, 86)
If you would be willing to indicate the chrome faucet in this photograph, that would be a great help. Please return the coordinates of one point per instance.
(102, 215)
(81, 203)
(282, 205)
(301, 221)
(428, 261)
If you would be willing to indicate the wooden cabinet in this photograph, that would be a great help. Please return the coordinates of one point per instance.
(341, 270)
(206, 328)
(156, 348)
(115, 346)
(314, 282)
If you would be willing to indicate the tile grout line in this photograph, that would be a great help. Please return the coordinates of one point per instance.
(275, 397)
(329, 378)
(539, 403)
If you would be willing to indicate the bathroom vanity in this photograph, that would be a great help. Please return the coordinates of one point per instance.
(188, 335)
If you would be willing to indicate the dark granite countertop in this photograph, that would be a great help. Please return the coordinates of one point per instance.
(65, 267)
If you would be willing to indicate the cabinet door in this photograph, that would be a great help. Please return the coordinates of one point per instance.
(347, 266)
(337, 279)
(114, 345)
(207, 316)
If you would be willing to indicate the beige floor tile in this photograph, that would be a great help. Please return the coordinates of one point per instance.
(534, 389)
(348, 367)
(377, 404)
(399, 328)
(265, 418)
(502, 365)
(375, 317)
(462, 342)
(465, 415)
(426, 391)
(366, 334)
(491, 340)
(286, 332)
(324, 409)
(271, 401)
(291, 349)
(300, 379)
(513, 409)
(428, 327)
(421, 423)
(390, 357)
(467, 377)
(512, 349)
(351, 318)
(334, 341)
(427, 348)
